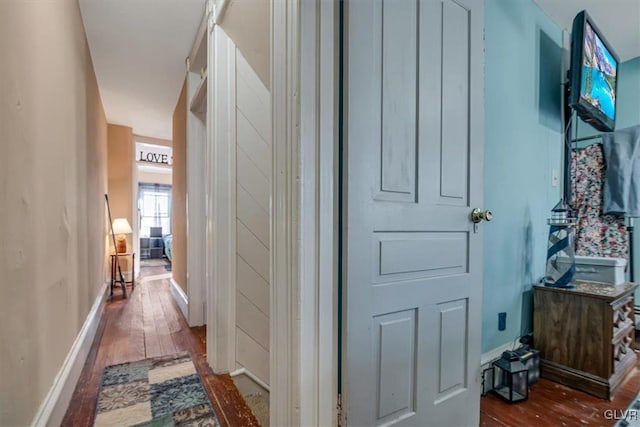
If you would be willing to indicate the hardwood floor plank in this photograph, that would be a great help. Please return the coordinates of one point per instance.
(175, 320)
(159, 319)
(487, 420)
(152, 345)
(136, 334)
(108, 352)
(551, 409)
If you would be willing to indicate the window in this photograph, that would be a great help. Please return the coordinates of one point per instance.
(154, 203)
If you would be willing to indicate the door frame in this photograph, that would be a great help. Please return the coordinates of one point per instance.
(304, 216)
(221, 195)
(195, 209)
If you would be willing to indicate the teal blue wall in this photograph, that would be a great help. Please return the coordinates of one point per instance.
(628, 104)
(522, 146)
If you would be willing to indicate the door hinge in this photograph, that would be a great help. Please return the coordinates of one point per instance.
(339, 411)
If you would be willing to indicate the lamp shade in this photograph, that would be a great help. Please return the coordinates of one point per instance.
(121, 226)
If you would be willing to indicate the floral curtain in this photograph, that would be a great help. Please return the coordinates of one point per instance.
(596, 234)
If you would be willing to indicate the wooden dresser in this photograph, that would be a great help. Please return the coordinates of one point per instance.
(585, 335)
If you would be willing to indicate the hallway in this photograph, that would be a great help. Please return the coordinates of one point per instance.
(149, 324)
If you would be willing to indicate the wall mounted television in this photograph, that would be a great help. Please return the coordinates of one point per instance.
(593, 75)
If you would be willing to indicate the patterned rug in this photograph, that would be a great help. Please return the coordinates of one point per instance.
(163, 391)
(630, 417)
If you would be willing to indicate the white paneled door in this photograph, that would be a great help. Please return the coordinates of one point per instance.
(413, 129)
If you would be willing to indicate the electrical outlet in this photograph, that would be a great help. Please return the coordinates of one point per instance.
(502, 321)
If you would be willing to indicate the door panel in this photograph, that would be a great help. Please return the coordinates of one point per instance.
(455, 103)
(453, 351)
(421, 254)
(413, 172)
(395, 344)
(397, 23)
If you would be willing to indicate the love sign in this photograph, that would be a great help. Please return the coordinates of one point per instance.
(157, 154)
(154, 158)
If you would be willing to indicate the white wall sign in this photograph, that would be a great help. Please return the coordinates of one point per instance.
(158, 154)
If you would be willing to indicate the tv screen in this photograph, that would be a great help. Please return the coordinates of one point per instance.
(594, 69)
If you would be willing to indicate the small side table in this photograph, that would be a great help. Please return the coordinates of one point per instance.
(114, 272)
(585, 335)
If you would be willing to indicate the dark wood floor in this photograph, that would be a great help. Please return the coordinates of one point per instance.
(551, 404)
(149, 324)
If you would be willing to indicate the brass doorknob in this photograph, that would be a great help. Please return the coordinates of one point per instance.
(477, 215)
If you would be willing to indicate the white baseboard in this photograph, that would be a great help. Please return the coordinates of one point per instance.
(55, 404)
(244, 372)
(180, 297)
(494, 354)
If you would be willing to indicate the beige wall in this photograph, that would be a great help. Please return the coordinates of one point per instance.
(53, 138)
(121, 150)
(154, 178)
(248, 23)
(123, 182)
(179, 191)
(151, 140)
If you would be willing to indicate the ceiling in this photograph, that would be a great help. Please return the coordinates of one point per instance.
(618, 20)
(139, 49)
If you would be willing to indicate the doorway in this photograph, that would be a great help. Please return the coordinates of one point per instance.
(154, 227)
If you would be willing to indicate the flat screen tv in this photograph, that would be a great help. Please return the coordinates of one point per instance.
(593, 75)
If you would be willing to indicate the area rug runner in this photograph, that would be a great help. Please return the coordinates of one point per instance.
(630, 417)
(162, 391)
